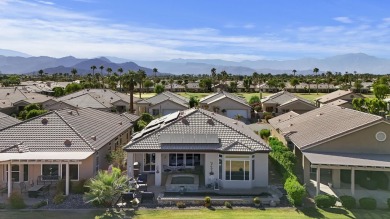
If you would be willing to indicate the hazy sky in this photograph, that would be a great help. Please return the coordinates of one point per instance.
(215, 29)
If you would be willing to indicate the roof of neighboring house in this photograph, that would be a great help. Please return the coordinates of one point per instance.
(95, 98)
(338, 102)
(66, 130)
(349, 159)
(6, 120)
(166, 95)
(131, 117)
(163, 134)
(336, 95)
(322, 124)
(220, 95)
(11, 95)
(294, 100)
(281, 118)
(283, 97)
(193, 85)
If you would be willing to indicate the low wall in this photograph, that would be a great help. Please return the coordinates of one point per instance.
(199, 201)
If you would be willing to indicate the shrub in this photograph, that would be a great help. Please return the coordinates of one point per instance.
(147, 117)
(78, 187)
(381, 179)
(388, 203)
(348, 202)
(254, 99)
(325, 201)
(228, 204)
(295, 191)
(39, 204)
(256, 200)
(59, 199)
(60, 188)
(181, 204)
(193, 101)
(265, 133)
(207, 200)
(268, 117)
(16, 200)
(367, 203)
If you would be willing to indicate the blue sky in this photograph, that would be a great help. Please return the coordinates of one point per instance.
(199, 29)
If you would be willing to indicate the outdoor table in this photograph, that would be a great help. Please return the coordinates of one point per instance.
(33, 191)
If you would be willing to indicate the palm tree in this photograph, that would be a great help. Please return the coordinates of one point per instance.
(155, 70)
(109, 70)
(315, 71)
(294, 71)
(129, 80)
(40, 72)
(141, 76)
(328, 78)
(101, 69)
(74, 72)
(213, 75)
(171, 82)
(93, 67)
(120, 70)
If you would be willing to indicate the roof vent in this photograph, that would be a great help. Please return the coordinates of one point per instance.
(212, 113)
(291, 124)
(320, 114)
(120, 123)
(44, 121)
(70, 112)
(210, 121)
(93, 137)
(185, 121)
(279, 120)
(7, 93)
(235, 122)
(67, 143)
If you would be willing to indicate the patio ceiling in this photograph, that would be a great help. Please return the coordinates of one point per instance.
(44, 156)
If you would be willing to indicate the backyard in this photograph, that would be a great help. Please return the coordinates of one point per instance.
(202, 213)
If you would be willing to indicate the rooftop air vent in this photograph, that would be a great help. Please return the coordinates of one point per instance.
(291, 124)
(210, 121)
(44, 121)
(93, 137)
(120, 123)
(185, 121)
(67, 143)
(7, 93)
(235, 122)
(70, 112)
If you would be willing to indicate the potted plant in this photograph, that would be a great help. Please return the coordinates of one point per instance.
(207, 201)
(257, 201)
(135, 202)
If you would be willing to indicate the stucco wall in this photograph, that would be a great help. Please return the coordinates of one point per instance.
(166, 105)
(228, 104)
(362, 141)
(211, 163)
(261, 170)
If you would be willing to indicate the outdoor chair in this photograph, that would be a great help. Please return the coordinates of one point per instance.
(45, 192)
(142, 179)
(23, 187)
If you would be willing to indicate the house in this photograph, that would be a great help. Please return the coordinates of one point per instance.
(347, 95)
(13, 100)
(285, 101)
(193, 87)
(163, 104)
(68, 144)
(42, 87)
(227, 104)
(102, 99)
(339, 144)
(6, 120)
(341, 103)
(201, 147)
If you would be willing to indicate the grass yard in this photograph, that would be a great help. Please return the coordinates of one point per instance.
(242, 213)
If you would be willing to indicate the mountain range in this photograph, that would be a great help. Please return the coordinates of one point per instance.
(21, 63)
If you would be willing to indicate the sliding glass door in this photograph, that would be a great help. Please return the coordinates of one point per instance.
(149, 162)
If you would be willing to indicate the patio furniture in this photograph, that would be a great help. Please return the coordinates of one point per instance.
(45, 191)
(33, 191)
(23, 187)
(47, 179)
(142, 178)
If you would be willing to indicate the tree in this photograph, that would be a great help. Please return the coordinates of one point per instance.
(74, 72)
(171, 82)
(93, 67)
(294, 82)
(381, 88)
(328, 78)
(358, 86)
(193, 101)
(40, 72)
(206, 84)
(155, 70)
(315, 71)
(147, 84)
(73, 87)
(294, 71)
(130, 81)
(120, 70)
(254, 99)
(58, 91)
(213, 77)
(109, 70)
(117, 158)
(159, 88)
(247, 83)
(233, 86)
(101, 70)
(141, 76)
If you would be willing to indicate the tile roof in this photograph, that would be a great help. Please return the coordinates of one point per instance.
(322, 124)
(282, 97)
(234, 136)
(167, 95)
(338, 102)
(66, 130)
(6, 120)
(349, 159)
(11, 95)
(220, 95)
(274, 122)
(131, 117)
(336, 95)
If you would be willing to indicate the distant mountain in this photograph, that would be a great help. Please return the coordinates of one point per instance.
(7, 52)
(359, 62)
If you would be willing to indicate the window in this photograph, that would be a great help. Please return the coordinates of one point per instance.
(50, 170)
(14, 172)
(237, 170)
(25, 172)
(220, 168)
(253, 169)
(155, 112)
(73, 171)
(188, 160)
(97, 163)
(227, 170)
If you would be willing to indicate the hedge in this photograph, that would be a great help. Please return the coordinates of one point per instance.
(265, 133)
(348, 202)
(295, 191)
(367, 203)
(388, 203)
(325, 201)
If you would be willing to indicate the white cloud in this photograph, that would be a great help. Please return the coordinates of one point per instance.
(345, 20)
(46, 2)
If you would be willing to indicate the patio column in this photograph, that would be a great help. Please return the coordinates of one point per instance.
(318, 189)
(353, 181)
(9, 180)
(67, 179)
(306, 170)
(158, 172)
(130, 164)
(336, 178)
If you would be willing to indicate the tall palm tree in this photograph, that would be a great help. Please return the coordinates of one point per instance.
(294, 71)
(120, 70)
(41, 73)
(74, 72)
(213, 75)
(141, 76)
(328, 78)
(101, 70)
(171, 82)
(129, 79)
(93, 67)
(155, 70)
(109, 70)
(315, 71)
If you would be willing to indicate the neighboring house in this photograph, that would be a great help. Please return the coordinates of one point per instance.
(162, 104)
(204, 148)
(174, 88)
(43, 87)
(13, 100)
(193, 87)
(102, 99)
(341, 103)
(338, 143)
(285, 101)
(304, 88)
(70, 144)
(347, 95)
(226, 104)
(6, 121)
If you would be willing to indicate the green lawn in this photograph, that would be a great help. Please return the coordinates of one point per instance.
(242, 213)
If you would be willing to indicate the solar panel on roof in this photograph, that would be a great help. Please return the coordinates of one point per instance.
(171, 117)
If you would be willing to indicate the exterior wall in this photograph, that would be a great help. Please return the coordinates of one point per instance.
(362, 141)
(261, 170)
(265, 105)
(297, 107)
(8, 111)
(228, 104)
(166, 105)
(86, 168)
(211, 165)
(348, 97)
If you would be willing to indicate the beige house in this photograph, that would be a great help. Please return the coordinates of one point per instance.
(196, 149)
(285, 101)
(68, 144)
(226, 104)
(339, 143)
(162, 104)
(346, 95)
